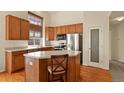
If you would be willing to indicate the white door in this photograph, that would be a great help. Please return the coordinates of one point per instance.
(95, 46)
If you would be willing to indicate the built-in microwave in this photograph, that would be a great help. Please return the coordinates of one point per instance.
(61, 37)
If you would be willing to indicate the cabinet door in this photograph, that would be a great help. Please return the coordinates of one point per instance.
(71, 29)
(50, 33)
(63, 30)
(79, 28)
(24, 29)
(12, 28)
(58, 30)
(66, 28)
(18, 61)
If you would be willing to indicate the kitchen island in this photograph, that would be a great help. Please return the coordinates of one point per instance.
(36, 64)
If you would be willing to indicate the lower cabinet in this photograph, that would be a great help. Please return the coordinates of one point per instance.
(18, 61)
(14, 61)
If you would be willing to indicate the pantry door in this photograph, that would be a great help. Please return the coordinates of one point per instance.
(95, 46)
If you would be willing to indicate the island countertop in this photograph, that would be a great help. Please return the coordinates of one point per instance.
(47, 54)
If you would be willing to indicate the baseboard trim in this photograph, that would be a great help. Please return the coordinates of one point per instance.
(117, 61)
(3, 70)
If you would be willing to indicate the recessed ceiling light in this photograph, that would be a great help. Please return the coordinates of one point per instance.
(119, 18)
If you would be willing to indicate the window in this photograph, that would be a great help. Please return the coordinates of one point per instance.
(36, 24)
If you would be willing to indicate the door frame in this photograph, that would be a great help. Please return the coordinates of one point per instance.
(94, 64)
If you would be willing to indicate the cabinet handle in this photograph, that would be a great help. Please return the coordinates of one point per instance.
(30, 63)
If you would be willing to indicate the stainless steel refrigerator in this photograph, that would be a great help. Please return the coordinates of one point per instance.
(74, 43)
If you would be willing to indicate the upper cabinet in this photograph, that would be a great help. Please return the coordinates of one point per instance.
(79, 27)
(58, 30)
(71, 29)
(12, 28)
(50, 33)
(16, 28)
(24, 29)
(63, 29)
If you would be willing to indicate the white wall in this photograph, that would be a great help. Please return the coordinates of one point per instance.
(96, 19)
(66, 17)
(117, 42)
(110, 44)
(14, 43)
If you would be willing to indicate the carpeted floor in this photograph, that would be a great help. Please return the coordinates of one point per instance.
(117, 71)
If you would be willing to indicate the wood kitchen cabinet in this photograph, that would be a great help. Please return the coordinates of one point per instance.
(16, 28)
(74, 28)
(63, 29)
(14, 61)
(12, 28)
(18, 60)
(79, 27)
(24, 29)
(50, 34)
(71, 29)
(58, 30)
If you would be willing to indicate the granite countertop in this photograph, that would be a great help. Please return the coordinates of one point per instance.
(14, 49)
(47, 54)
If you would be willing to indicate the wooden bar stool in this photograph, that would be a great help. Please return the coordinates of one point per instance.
(58, 68)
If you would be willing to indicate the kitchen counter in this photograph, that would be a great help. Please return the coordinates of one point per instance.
(47, 54)
(36, 65)
(14, 49)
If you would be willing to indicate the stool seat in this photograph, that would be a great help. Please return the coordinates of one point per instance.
(57, 72)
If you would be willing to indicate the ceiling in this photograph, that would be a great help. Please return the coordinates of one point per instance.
(114, 15)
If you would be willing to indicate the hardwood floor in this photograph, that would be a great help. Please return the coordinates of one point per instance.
(91, 74)
(87, 74)
(15, 77)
